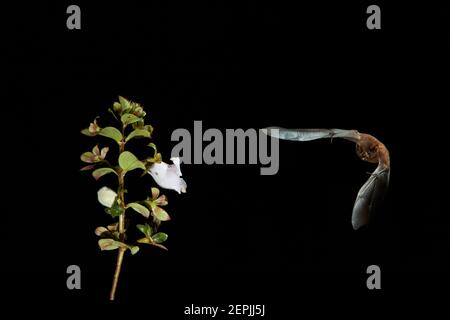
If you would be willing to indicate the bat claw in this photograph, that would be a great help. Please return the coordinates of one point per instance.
(332, 134)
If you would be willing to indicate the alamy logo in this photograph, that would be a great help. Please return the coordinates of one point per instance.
(74, 278)
(228, 148)
(374, 280)
(374, 20)
(74, 20)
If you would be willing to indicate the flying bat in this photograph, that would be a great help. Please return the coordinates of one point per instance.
(368, 148)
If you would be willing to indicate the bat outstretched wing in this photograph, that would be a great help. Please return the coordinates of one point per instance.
(369, 196)
(311, 134)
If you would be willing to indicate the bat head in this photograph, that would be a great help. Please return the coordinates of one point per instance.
(367, 149)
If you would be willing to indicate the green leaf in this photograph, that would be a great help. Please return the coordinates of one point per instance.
(145, 229)
(128, 161)
(116, 235)
(88, 167)
(108, 244)
(126, 105)
(113, 226)
(138, 133)
(112, 133)
(86, 132)
(117, 107)
(149, 128)
(87, 157)
(151, 204)
(121, 244)
(159, 237)
(160, 214)
(129, 118)
(139, 208)
(146, 240)
(139, 124)
(101, 231)
(102, 171)
(134, 249)
(161, 201)
(96, 150)
(155, 193)
(116, 210)
(141, 227)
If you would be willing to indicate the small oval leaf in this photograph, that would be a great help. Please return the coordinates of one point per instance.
(155, 193)
(117, 107)
(160, 214)
(161, 201)
(99, 231)
(139, 208)
(100, 172)
(138, 133)
(108, 244)
(134, 249)
(126, 106)
(159, 237)
(146, 229)
(87, 157)
(113, 227)
(128, 161)
(111, 132)
(141, 228)
(116, 210)
(86, 132)
(129, 118)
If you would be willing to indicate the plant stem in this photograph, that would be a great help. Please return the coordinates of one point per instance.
(122, 250)
(112, 295)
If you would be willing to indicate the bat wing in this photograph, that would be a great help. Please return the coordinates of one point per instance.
(369, 196)
(311, 134)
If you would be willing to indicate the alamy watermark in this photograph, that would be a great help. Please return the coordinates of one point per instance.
(235, 146)
(74, 278)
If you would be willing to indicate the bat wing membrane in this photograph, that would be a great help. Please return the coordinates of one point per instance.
(369, 196)
(311, 134)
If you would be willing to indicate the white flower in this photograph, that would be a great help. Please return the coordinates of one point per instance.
(106, 196)
(168, 176)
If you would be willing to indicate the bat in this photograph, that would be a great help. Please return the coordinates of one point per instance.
(368, 149)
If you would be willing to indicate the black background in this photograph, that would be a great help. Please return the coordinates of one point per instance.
(235, 236)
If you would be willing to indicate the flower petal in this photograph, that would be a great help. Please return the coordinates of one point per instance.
(176, 162)
(168, 176)
(106, 196)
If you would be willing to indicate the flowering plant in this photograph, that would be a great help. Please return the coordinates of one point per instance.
(129, 118)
